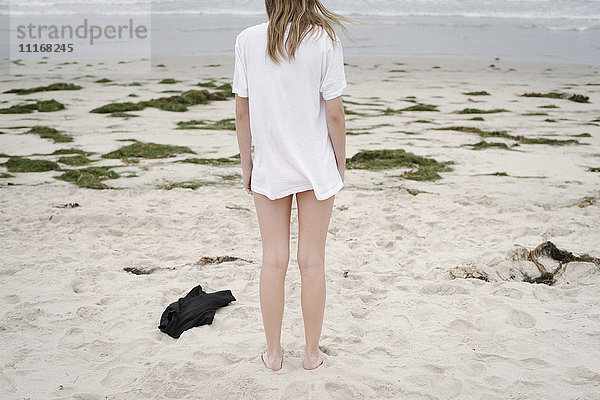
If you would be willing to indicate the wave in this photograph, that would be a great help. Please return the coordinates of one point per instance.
(564, 10)
(493, 15)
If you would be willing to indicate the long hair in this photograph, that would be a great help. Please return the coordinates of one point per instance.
(304, 16)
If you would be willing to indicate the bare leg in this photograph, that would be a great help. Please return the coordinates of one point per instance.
(274, 222)
(313, 222)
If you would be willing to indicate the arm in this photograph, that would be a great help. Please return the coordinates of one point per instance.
(244, 137)
(336, 122)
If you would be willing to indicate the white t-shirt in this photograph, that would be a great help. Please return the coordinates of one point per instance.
(292, 147)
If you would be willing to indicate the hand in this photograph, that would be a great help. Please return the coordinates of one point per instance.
(247, 173)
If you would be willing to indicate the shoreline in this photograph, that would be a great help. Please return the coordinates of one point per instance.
(181, 63)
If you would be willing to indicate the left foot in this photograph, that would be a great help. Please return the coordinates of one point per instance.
(272, 363)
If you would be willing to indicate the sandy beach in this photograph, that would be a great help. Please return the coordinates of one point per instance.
(429, 293)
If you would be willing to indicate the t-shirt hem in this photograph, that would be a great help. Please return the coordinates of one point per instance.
(240, 93)
(330, 193)
(297, 189)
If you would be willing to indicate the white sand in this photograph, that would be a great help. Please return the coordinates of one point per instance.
(75, 325)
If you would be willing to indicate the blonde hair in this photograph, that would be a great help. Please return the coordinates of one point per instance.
(304, 16)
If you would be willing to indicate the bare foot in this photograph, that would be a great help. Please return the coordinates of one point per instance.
(312, 363)
(274, 364)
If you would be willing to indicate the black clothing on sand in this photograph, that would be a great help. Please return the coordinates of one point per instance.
(195, 309)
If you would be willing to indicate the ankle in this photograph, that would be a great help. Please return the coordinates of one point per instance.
(275, 351)
(312, 352)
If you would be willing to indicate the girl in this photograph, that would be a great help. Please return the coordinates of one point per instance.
(288, 79)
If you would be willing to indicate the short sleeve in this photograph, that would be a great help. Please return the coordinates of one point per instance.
(240, 81)
(333, 77)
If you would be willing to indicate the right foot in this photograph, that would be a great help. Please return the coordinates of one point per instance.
(312, 363)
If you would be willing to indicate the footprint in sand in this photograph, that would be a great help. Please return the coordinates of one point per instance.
(581, 375)
(119, 377)
(88, 313)
(521, 319)
(446, 289)
(73, 338)
(341, 391)
(78, 285)
(298, 389)
(7, 385)
(10, 299)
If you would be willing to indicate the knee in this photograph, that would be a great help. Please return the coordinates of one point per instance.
(310, 263)
(276, 262)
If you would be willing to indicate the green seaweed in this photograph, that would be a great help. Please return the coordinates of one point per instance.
(531, 114)
(168, 81)
(549, 106)
(420, 107)
(226, 89)
(147, 150)
(480, 132)
(103, 80)
(413, 192)
(120, 114)
(594, 169)
(552, 142)
(90, 177)
(40, 106)
(212, 161)
(477, 119)
(22, 164)
(46, 132)
(387, 111)
(357, 132)
(356, 103)
(6, 175)
(227, 124)
(231, 177)
(487, 145)
(210, 84)
(187, 185)
(582, 135)
(578, 98)
(394, 158)
(478, 111)
(118, 107)
(178, 103)
(504, 134)
(71, 151)
(74, 160)
(52, 87)
(480, 93)
(351, 112)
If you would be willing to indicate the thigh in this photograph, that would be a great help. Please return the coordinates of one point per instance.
(274, 223)
(313, 222)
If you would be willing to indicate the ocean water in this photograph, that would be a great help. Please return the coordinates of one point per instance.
(562, 14)
(540, 30)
